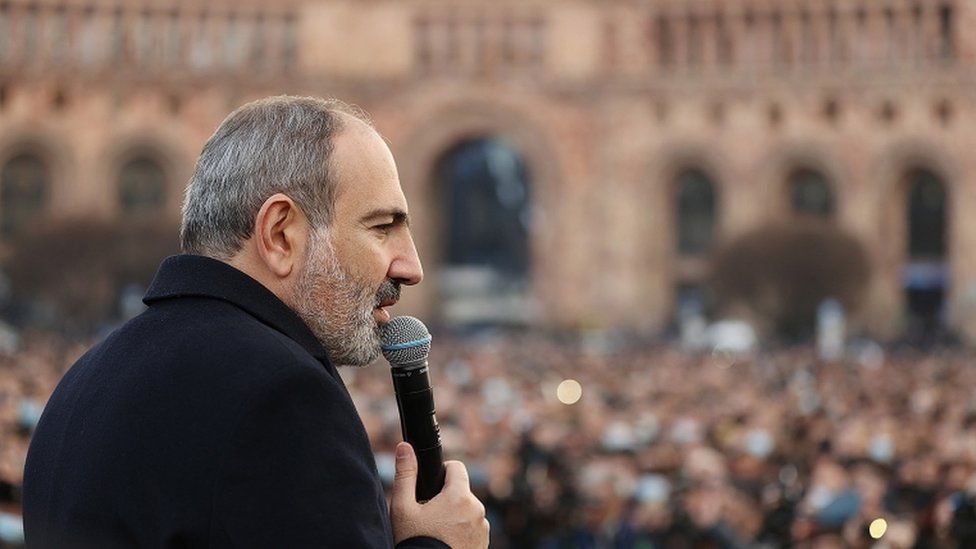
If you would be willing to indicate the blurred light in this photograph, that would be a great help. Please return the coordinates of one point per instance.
(878, 528)
(569, 391)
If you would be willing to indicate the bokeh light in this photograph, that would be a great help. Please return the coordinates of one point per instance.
(878, 528)
(569, 391)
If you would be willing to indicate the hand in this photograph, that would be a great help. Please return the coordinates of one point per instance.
(454, 516)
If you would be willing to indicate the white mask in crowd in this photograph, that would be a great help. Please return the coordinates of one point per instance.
(881, 448)
(759, 443)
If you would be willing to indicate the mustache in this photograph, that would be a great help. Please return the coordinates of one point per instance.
(389, 290)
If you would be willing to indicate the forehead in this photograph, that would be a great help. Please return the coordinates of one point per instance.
(365, 171)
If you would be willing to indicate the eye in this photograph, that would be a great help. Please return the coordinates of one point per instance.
(384, 228)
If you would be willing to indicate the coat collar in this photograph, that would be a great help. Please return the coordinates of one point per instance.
(198, 276)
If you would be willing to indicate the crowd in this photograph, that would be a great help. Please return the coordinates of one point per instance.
(30, 367)
(672, 449)
(665, 448)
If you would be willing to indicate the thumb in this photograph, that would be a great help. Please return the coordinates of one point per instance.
(405, 481)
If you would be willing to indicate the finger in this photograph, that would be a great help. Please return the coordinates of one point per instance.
(405, 481)
(481, 509)
(456, 477)
(486, 526)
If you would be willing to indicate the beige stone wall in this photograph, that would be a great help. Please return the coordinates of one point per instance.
(605, 111)
(371, 40)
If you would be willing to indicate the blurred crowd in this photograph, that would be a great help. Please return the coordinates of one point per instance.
(664, 449)
(28, 376)
(672, 449)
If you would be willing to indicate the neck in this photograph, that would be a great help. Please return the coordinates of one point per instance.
(256, 269)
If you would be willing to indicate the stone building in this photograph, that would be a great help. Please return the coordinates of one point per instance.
(568, 162)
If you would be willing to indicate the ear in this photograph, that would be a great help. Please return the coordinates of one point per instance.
(280, 234)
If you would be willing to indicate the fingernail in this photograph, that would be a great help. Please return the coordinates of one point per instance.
(401, 451)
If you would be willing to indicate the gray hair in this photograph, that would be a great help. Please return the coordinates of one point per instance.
(279, 144)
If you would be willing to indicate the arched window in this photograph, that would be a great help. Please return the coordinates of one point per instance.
(24, 183)
(488, 205)
(696, 212)
(141, 187)
(810, 193)
(926, 216)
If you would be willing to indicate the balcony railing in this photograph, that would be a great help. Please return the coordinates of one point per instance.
(201, 40)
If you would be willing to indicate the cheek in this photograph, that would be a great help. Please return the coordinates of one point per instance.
(378, 269)
(366, 262)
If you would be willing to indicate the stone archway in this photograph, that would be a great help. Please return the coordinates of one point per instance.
(36, 165)
(140, 154)
(25, 188)
(690, 195)
(431, 143)
(797, 165)
(486, 196)
(917, 286)
(141, 186)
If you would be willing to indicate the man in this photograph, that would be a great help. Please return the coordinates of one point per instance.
(217, 418)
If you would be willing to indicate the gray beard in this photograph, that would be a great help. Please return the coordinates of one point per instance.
(337, 310)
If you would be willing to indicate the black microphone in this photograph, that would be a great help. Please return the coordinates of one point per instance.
(406, 344)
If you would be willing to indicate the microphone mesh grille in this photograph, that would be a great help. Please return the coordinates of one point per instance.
(404, 340)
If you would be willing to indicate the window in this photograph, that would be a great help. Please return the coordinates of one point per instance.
(142, 187)
(926, 215)
(24, 183)
(810, 194)
(696, 212)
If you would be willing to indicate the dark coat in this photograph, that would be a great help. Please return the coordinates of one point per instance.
(213, 419)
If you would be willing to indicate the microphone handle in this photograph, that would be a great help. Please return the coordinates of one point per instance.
(418, 424)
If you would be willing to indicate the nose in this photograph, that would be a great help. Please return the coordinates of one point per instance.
(405, 267)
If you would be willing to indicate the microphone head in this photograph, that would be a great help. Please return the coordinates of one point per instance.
(405, 340)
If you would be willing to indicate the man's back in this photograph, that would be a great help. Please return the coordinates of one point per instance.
(203, 423)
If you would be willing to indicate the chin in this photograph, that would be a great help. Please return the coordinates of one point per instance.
(359, 357)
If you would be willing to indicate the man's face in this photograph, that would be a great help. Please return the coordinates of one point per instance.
(353, 269)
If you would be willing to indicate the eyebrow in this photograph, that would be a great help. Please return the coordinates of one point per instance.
(398, 215)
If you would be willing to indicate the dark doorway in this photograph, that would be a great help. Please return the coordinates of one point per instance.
(487, 197)
(696, 212)
(926, 276)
